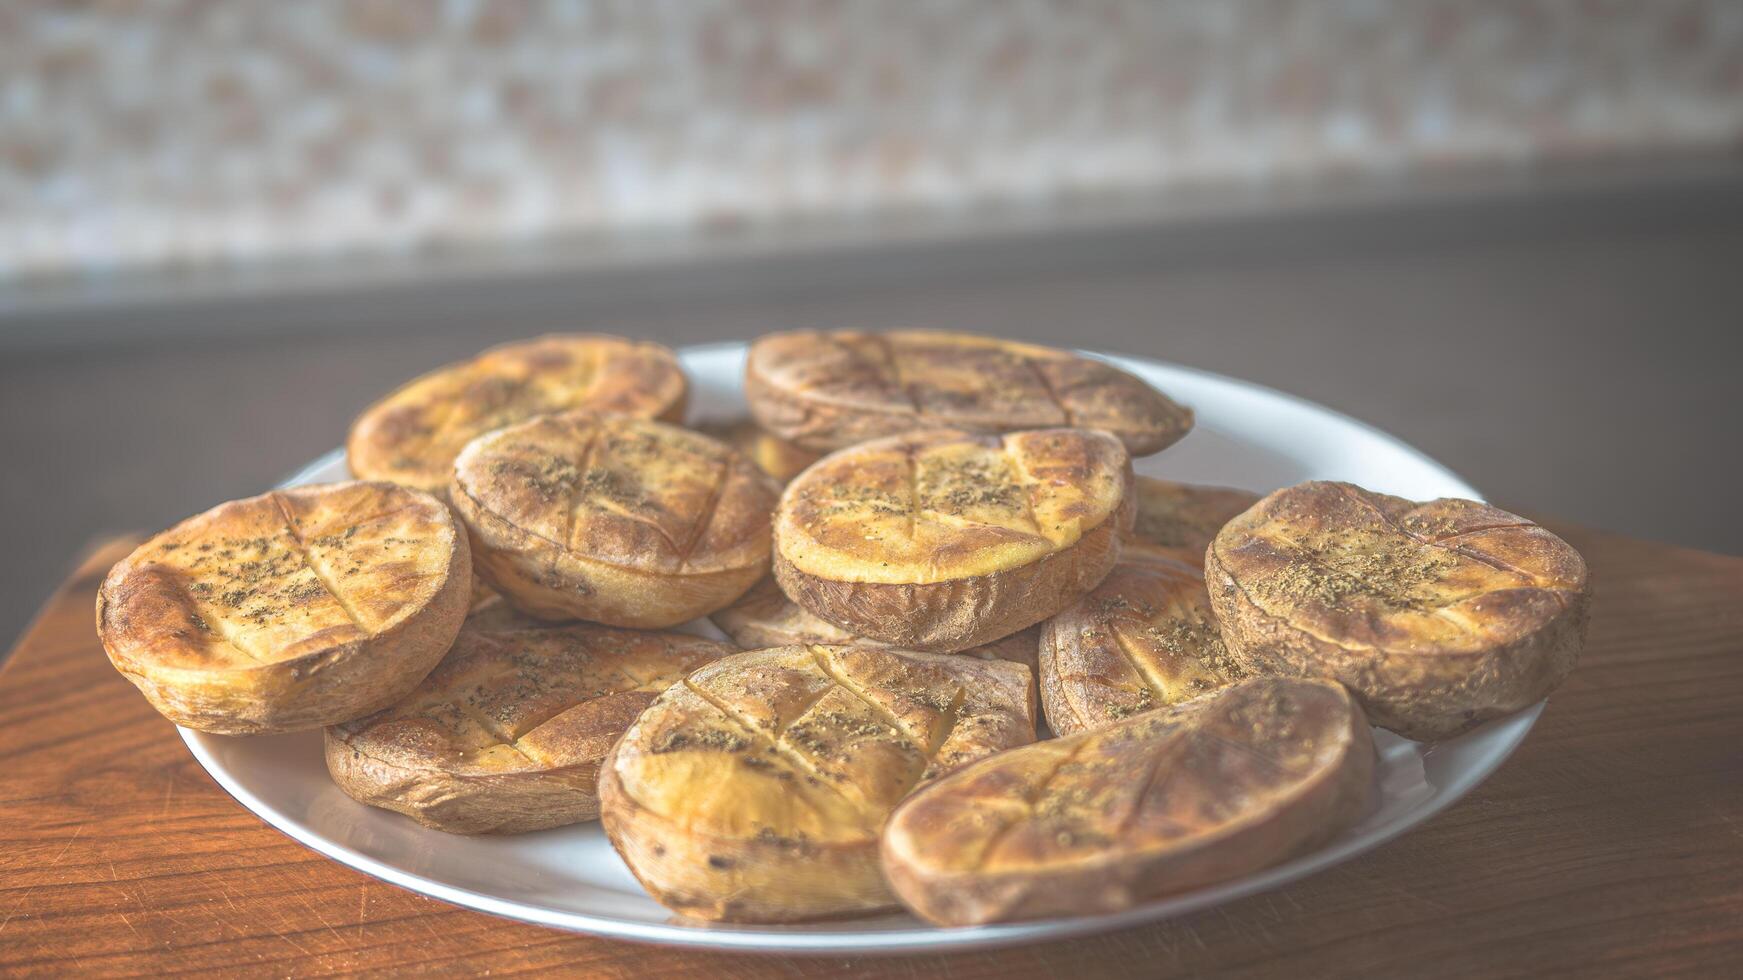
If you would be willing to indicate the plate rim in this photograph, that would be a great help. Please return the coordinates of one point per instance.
(921, 937)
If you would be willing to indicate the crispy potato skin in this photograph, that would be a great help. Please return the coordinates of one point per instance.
(229, 622)
(1179, 520)
(755, 791)
(824, 391)
(1145, 638)
(507, 734)
(614, 520)
(412, 436)
(1185, 796)
(944, 540)
(765, 617)
(1439, 616)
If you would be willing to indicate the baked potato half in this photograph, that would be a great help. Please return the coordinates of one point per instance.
(412, 436)
(826, 390)
(611, 519)
(775, 456)
(945, 540)
(755, 790)
(1145, 638)
(765, 617)
(507, 733)
(1181, 797)
(1438, 615)
(1179, 520)
(288, 611)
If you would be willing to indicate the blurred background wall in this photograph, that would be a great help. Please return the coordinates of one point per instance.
(1509, 232)
(194, 133)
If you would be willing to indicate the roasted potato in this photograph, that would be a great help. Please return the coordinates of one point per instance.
(611, 519)
(291, 610)
(765, 617)
(1143, 639)
(412, 436)
(507, 733)
(1178, 520)
(828, 390)
(755, 790)
(945, 540)
(776, 456)
(1438, 615)
(1178, 798)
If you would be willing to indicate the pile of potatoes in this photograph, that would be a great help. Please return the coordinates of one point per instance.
(927, 550)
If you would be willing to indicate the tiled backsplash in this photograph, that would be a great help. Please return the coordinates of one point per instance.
(187, 133)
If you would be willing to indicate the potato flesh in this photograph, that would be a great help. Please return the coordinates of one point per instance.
(815, 743)
(639, 495)
(508, 700)
(1367, 570)
(413, 435)
(936, 506)
(275, 577)
(1143, 639)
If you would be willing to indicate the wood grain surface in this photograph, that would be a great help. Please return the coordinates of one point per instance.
(1612, 843)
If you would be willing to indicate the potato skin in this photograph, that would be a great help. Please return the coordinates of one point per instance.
(1105, 843)
(160, 636)
(825, 390)
(958, 614)
(412, 435)
(1531, 632)
(933, 541)
(622, 571)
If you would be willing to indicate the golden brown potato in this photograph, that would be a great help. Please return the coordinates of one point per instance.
(765, 617)
(412, 436)
(507, 733)
(945, 540)
(755, 790)
(1178, 520)
(1168, 801)
(611, 519)
(291, 610)
(1439, 616)
(827, 390)
(776, 456)
(1143, 639)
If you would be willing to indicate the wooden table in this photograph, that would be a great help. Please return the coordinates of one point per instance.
(1612, 843)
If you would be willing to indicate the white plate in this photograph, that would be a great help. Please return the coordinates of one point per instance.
(570, 878)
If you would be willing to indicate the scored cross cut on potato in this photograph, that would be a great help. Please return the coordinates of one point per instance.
(507, 733)
(946, 540)
(755, 790)
(825, 390)
(1439, 615)
(611, 519)
(291, 610)
(412, 436)
(1145, 638)
(1179, 520)
(1185, 796)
